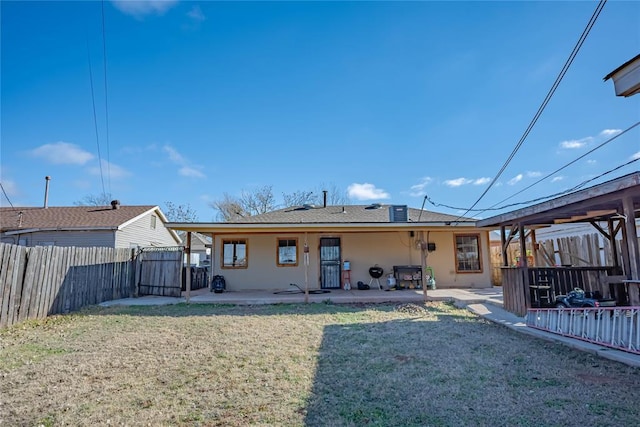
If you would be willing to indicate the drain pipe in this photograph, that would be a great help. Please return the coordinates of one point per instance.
(46, 191)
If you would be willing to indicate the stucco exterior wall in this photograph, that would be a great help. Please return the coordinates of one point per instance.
(362, 250)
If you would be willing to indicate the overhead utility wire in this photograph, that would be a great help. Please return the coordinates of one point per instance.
(569, 164)
(555, 85)
(5, 195)
(106, 103)
(95, 120)
(561, 193)
(582, 184)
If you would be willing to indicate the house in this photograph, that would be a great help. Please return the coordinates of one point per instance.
(116, 226)
(200, 249)
(326, 246)
(626, 78)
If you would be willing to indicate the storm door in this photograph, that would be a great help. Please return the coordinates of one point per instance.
(330, 262)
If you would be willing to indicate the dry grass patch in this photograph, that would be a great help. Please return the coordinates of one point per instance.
(317, 364)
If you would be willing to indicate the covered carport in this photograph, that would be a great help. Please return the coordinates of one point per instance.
(611, 208)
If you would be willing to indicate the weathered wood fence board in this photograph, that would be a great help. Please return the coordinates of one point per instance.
(39, 281)
(578, 251)
(160, 272)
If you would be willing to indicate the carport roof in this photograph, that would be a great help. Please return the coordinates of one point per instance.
(596, 203)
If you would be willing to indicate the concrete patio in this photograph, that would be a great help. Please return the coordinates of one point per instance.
(461, 297)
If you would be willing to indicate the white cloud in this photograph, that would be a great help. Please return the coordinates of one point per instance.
(186, 169)
(635, 156)
(516, 179)
(10, 192)
(610, 132)
(575, 143)
(196, 14)
(190, 172)
(592, 162)
(62, 153)
(141, 8)
(174, 156)
(366, 192)
(482, 181)
(557, 178)
(571, 144)
(457, 182)
(418, 189)
(534, 174)
(109, 170)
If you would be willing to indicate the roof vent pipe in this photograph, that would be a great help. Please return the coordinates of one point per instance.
(115, 204)
(46, 191)
(324, 198)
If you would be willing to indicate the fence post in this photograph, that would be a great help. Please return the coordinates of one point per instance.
(136, 262)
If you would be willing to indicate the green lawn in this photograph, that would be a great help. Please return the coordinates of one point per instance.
(294, 365)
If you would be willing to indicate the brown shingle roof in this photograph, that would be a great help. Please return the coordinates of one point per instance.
(73, 217)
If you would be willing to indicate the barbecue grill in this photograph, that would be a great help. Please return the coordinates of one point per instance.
(376, 273)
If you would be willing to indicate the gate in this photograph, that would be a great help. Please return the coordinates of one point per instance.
(159, 271)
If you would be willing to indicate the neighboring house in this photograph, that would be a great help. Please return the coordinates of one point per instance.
(115, 226)
(267, 251)
(200, 248)
(626, 78)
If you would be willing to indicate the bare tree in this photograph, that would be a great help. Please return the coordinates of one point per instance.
(258, 201)
(229, 208)
(335, 195)
(261, 200)
(299, 198)
(102, 199)
(180, 213)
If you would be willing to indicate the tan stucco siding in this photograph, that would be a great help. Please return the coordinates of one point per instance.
(262, 271)
(362, 250)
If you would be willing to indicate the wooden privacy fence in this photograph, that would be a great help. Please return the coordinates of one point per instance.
(523, 288)
(39, 281)
(159, 271)
(588, 250)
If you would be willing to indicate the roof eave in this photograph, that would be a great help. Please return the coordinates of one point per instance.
(38, 230)
(265, 227)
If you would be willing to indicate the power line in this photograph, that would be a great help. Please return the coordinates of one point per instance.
(546, 100)
(570, 163)
(106, 103)
(582, 184)
(95, 120)
(5, 195)
(539, 199)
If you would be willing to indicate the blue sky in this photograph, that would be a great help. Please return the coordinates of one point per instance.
(388, 101)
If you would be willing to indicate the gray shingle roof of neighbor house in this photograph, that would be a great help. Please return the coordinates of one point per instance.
(70, 217)
(204, 240)
(347, 214)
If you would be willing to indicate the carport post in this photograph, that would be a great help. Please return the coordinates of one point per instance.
(306, 269)
(423, 264)
(632, 237)
(188, 277)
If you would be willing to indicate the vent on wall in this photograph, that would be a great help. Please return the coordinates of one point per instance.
(398, 213)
